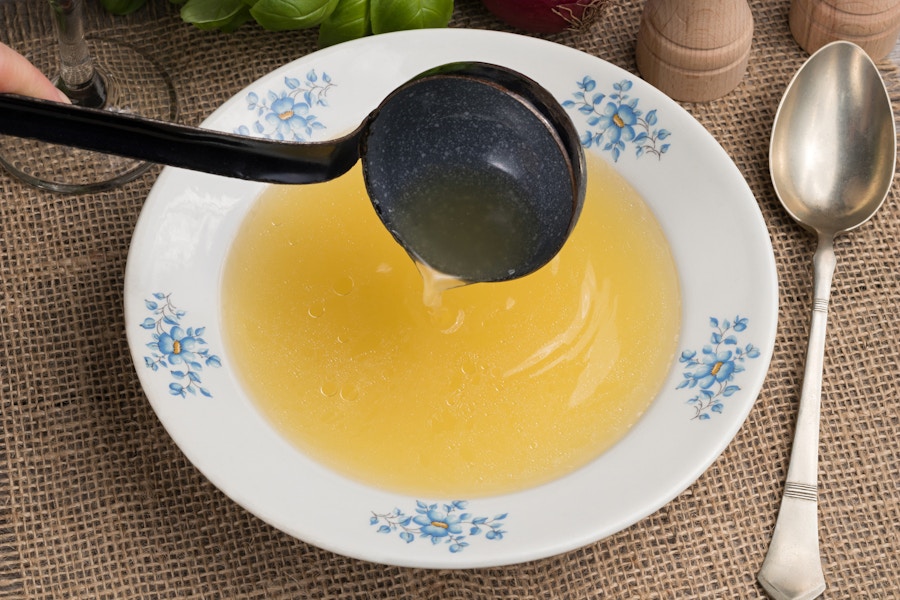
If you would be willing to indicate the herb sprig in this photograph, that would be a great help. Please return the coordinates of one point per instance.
(337, 20)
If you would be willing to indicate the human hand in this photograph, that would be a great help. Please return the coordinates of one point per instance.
(18, 76)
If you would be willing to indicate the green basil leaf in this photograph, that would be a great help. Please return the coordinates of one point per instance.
(122, 7)
(280, 15)
(226, 15)
(349, 21)
(236, 21)
(398, 15)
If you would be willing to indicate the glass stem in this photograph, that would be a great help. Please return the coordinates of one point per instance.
(78, 78)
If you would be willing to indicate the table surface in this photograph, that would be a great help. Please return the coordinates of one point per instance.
(96, 501)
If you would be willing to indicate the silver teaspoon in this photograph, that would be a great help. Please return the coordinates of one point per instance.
(831, 159)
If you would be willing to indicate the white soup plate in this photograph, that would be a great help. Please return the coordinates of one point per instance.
(718, 238)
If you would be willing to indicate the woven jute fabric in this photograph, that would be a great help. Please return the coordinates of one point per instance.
(96, 501)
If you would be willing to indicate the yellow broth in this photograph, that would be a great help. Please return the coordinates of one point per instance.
(485, 389)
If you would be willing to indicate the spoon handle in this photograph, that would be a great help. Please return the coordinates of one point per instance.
(792, 569)
(193, 148)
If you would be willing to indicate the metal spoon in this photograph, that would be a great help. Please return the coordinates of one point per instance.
(474, 168)
(832, 157)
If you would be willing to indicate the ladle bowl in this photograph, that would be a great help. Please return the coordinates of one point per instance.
(475, 169)
(832, 160)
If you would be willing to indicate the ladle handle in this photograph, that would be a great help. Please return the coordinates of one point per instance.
(193, 148)
(792, 569)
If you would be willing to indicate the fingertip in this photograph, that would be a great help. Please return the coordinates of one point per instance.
(61, 97)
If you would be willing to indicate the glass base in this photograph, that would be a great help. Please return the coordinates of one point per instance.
(134, 84)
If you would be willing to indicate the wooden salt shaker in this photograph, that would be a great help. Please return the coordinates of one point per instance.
(694, 50)
(873, 25)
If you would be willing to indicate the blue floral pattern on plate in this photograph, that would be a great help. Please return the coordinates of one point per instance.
(712, 371)
(286, 114)
(447, 523)
(182, 351)
(614, 120)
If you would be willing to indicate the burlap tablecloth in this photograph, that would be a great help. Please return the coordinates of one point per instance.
(96, 501)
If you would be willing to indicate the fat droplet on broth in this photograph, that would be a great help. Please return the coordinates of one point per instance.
(316, 309)
(343, 286)
(329, 388)
(468, 364)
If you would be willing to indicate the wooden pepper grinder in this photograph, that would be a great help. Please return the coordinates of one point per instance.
(694, 50)
(873, 25)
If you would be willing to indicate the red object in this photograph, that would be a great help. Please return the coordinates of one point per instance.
(546, 16)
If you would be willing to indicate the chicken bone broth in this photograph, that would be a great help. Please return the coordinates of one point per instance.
(462, 221)
(493, 388)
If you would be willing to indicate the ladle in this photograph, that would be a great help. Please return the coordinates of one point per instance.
(474, 168)
(832, 157)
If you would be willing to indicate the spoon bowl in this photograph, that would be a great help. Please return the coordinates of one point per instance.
(499, 192)
(833, 146)
(832, 159)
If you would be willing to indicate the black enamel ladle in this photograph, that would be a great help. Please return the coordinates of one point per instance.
(475, 169)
